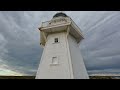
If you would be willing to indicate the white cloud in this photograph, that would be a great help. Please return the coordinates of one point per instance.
(3, 43)
(8, 72)
(5, 70)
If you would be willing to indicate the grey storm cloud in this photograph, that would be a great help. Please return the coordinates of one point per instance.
(19, 39)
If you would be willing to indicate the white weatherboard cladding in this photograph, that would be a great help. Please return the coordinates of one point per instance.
(60, 50)
(70, 62)
(78, 67)
(61, 60)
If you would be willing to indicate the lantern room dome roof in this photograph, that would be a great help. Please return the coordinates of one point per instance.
(60, 14)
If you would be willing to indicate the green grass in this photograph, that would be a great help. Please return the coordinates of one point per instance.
(101, 77)
(33, 77)
(17, 77)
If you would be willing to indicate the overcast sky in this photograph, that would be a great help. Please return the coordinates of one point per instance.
(20, 51)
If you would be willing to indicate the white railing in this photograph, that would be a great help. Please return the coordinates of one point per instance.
(59, 21)
(56, 21)
(45, 24)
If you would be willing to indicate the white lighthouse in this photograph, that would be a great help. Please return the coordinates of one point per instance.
(61, 59)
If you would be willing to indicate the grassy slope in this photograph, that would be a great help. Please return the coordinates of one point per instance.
(17, 77)
(33, 77)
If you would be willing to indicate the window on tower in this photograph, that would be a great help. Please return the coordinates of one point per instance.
(56, 40)
(54, 61)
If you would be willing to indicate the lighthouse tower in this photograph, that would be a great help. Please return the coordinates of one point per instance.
(61, 59)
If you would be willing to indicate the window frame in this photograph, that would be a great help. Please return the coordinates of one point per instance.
(52, 62)
(56, 40)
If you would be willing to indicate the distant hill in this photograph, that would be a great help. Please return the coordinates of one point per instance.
(17, 77)
(105, 74)
(33, 77)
